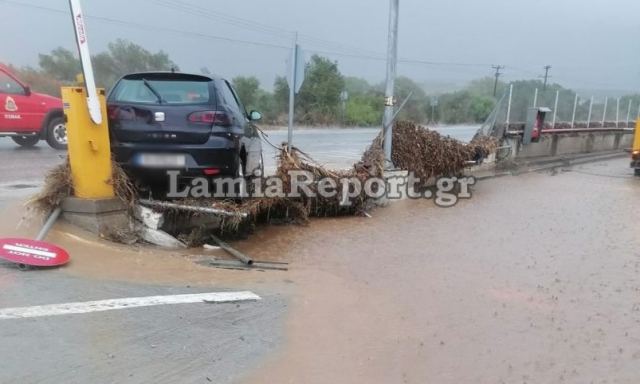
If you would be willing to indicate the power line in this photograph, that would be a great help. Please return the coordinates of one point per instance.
(257, 26)
(148, 27)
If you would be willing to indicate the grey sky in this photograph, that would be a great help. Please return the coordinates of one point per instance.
(590, 44)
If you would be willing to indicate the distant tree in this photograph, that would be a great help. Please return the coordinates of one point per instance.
(356, 86)
(61, 64)
(319, 97)
(416, 107)
(484, 87)
(38, 80)
(124, 57)
(247, 89)
(281, 94)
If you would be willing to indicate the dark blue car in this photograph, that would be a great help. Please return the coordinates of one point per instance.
(196, 124)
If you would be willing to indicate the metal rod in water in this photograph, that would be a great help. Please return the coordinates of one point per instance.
(53, 217)
(232, 251)
(214, 211)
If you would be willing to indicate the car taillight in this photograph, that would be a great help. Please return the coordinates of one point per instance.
(210, 117)
(635, 155)
(121, 113)
(211, 171)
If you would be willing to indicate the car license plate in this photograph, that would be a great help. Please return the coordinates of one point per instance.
(161, 161)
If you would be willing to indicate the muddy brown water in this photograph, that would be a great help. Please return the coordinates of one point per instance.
(536, 279)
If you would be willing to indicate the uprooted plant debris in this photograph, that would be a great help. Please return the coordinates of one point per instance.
(424, 152)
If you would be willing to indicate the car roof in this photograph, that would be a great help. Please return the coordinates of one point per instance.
(167, 75)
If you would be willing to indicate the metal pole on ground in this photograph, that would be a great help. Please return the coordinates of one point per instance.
(629, 114)
(555, 110)
(617, 112)
(575, 108)
(389, 102)
(604, 113)
(535, 98)
(509, 104)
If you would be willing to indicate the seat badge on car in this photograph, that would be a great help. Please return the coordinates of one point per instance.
(159, 116)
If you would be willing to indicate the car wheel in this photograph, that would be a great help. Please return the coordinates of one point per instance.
(636, 171)
(249, 179)
(57, 134)
(26, 141)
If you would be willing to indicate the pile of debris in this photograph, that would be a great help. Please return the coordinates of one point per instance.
(429, 154)
(424, 152)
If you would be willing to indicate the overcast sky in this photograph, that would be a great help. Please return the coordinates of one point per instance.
(591, 44)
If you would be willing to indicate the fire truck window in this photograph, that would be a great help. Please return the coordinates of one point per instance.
(9, 85)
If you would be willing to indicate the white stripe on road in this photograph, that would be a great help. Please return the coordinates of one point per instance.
(132, 302)
(32, 251)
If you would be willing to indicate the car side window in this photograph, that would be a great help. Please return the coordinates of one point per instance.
(243, 109)
(9, 86)
(231, 100)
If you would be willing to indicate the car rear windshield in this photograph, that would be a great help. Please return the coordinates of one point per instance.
(172, 91)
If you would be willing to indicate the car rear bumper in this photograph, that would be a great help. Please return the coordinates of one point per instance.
(218, 153)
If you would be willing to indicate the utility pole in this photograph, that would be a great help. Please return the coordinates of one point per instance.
(546, 76)
(295, 80)
(498, 68)
(389, 102)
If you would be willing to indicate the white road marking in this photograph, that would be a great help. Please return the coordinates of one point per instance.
(132, 302)
(48, 255)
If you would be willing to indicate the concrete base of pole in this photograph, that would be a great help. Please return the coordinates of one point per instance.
(101, 216)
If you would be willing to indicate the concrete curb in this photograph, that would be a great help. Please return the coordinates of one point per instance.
(543, 164)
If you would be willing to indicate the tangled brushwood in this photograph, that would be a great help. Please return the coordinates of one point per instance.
(428, 154)
(416, 149)
(58, 185)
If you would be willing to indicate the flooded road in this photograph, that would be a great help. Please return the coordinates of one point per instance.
(535, 279)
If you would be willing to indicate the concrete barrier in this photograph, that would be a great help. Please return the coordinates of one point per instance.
(569, 143)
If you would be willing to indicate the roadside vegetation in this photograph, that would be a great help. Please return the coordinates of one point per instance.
(327, 96)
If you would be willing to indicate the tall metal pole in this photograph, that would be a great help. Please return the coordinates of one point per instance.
(555, 110)
(617, 112)
(575, 108)
(392, 62)
(509, 104)
(497, 75)
(546, 76)
(629, 113)
(590, 111)
(535, 98)
(604, 113)
(292, 89)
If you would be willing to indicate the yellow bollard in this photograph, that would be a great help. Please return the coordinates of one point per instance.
(89, 149)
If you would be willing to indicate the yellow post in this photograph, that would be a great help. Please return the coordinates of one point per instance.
(636, 139)
(89, 149)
